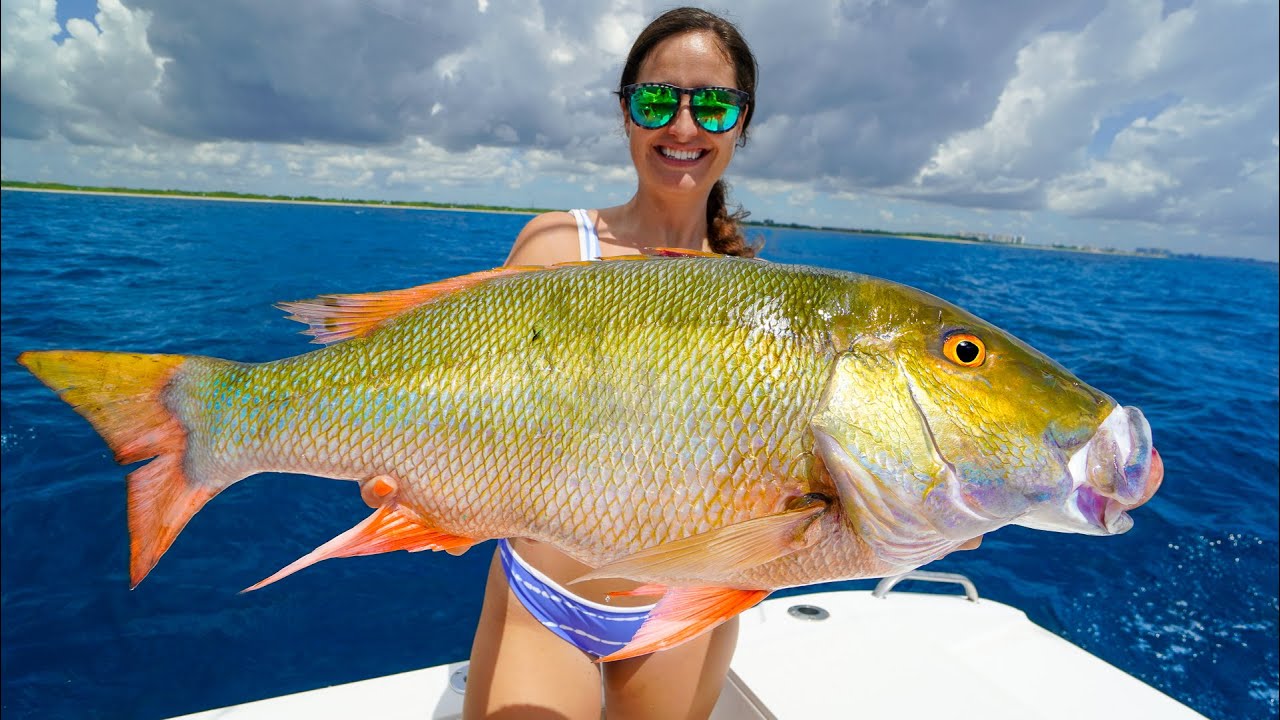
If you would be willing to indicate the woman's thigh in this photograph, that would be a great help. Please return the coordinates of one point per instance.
(683, 682)
(520, 669)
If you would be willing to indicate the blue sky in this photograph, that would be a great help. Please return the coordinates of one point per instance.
(65, 10)
(1113, 124)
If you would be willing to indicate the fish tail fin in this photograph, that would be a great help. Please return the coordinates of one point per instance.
(123, 396)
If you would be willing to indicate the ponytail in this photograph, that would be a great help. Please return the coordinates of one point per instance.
(724, 230)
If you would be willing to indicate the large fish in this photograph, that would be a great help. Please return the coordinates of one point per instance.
(715, 428)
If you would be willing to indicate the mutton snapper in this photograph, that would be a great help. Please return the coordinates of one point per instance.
(714, 428)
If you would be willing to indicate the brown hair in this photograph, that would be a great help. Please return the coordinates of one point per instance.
(724, 232)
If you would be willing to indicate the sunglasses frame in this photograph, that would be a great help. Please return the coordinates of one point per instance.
(743, 97)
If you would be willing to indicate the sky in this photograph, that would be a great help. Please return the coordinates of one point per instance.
(1114, 124)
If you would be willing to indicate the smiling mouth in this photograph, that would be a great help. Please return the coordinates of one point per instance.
(691, 155)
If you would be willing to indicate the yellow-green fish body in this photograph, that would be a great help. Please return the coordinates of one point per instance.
(688, 422)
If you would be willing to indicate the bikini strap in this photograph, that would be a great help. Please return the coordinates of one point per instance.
(588, 240)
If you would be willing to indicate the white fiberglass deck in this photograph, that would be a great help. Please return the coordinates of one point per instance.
(903, 655)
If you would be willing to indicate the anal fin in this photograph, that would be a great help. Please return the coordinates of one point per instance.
(389, 528)
(684, 613)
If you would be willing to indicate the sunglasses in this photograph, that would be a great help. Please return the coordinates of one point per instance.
(654, 105)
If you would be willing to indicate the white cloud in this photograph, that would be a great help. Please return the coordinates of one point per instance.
(1102, 183)
(1127, 112)
(93, 88)
(1200, 161)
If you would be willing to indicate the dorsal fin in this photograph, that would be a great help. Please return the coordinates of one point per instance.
(333, 318)
(678, 252)
(341, 317)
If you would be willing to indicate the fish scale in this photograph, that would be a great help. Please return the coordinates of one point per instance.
(718, 426)
(455, 467)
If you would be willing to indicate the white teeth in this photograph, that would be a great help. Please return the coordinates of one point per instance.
(680, 154)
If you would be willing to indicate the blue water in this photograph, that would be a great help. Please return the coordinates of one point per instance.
(1187, 600)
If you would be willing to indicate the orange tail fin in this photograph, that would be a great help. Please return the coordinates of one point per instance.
(123, 396)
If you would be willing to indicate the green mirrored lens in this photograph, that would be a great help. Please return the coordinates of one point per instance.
(715, 110)
(652, 106)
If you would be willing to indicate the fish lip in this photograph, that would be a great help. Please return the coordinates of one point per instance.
(1116, 471)
(1101, 512)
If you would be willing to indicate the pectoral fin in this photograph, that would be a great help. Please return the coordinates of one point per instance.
(388, 528)
(684, 613)
(724, 551)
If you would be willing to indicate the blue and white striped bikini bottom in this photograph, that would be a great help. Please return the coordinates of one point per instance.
(596, 629)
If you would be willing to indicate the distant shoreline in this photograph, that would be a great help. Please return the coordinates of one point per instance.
(236, 197)
(222, 196)
(406, 206)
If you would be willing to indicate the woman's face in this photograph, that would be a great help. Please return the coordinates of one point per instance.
(682, 156)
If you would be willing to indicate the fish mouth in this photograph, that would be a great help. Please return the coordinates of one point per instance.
(1110, 514)
(1116, 471)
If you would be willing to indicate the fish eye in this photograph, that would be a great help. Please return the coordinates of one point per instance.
(965, 350)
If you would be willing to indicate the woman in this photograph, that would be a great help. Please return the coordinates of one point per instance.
(686, 95)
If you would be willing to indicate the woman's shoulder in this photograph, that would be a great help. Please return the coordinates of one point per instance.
(547, 239)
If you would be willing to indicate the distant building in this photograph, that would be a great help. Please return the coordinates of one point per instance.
(1004, 238)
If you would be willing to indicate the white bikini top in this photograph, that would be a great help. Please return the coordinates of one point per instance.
(588, 240)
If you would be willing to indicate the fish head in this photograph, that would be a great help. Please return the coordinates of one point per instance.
(937, 427)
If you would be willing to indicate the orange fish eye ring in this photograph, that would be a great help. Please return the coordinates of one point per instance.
(965, 350)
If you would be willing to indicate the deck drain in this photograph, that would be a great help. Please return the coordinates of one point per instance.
(808, 612)
(458, 679)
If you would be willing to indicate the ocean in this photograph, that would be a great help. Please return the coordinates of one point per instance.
(1186, 601)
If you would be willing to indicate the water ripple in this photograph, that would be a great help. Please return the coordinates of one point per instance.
(1187, 600)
